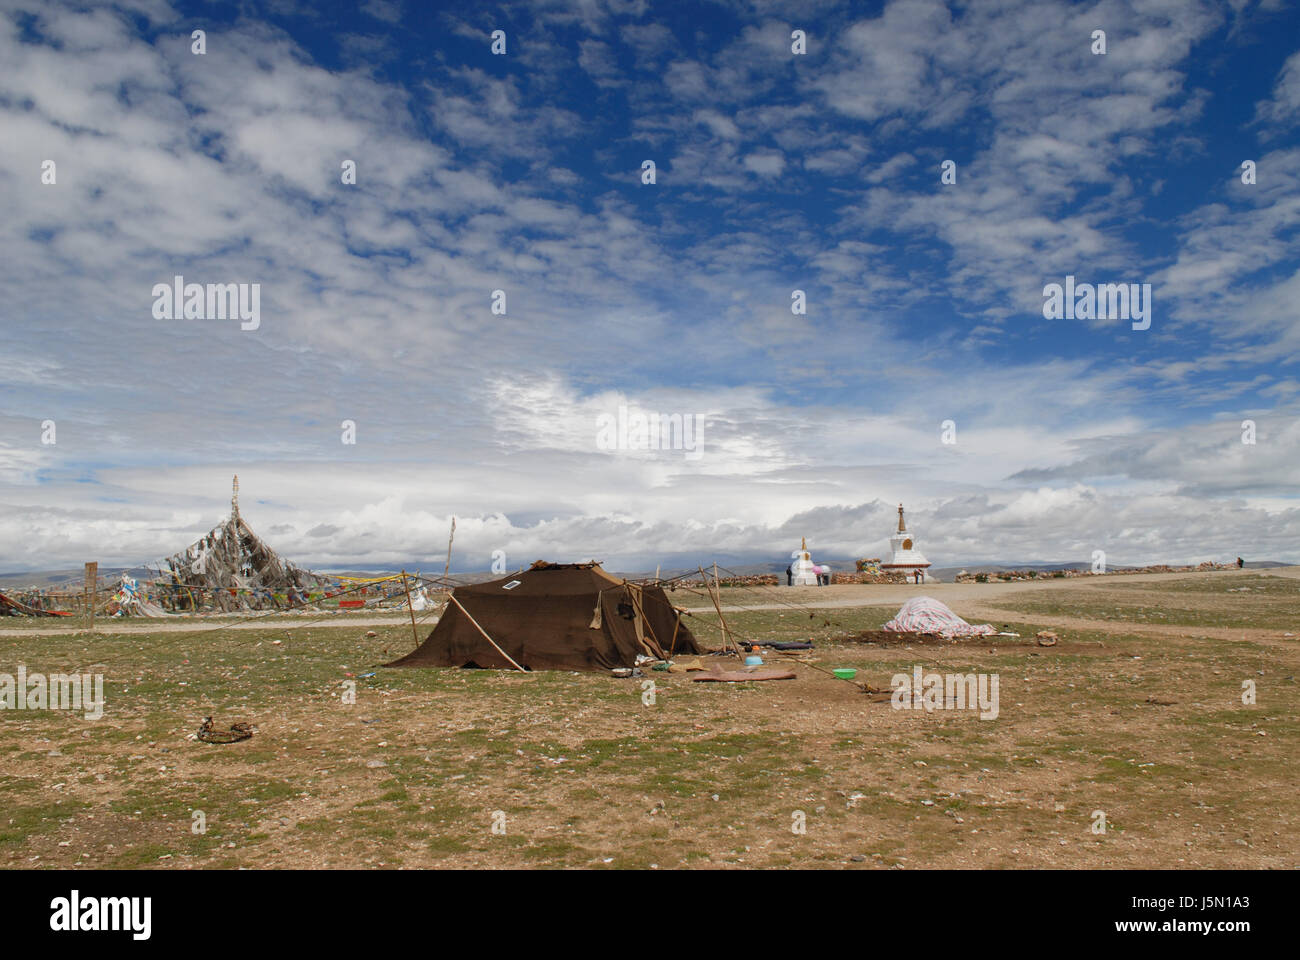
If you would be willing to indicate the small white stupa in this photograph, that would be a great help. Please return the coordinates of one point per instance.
(906, 558)
(801, 567)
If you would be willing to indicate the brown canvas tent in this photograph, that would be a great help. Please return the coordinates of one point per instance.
(554, 617)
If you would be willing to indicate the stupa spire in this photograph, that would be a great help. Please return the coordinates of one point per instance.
(901, 528)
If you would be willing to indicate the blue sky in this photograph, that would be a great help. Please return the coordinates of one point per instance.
(775, 172)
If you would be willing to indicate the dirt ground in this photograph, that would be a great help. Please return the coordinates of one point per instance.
(1131, 743)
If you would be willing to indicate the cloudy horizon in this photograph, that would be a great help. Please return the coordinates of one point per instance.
(923, 371)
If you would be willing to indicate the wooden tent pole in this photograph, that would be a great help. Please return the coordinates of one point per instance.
(641, 612)
(450, 537)
(726, 632)
(717, 592)
(452, 598)
(414, 635)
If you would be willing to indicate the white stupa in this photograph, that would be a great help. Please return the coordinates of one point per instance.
(906, 558)
(802, 567)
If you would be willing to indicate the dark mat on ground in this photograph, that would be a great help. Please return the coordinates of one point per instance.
(890, 637)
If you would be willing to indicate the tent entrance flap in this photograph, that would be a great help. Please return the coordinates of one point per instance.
(453, 599)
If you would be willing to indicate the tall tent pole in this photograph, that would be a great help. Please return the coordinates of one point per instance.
(452, 536)
(717, 592)
(726, 632)
(407, 587)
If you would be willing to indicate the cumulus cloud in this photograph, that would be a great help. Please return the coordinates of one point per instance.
(776, 173)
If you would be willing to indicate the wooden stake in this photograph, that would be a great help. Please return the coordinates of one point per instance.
(452, 598)
(92, 576)
(452, 536)
(407, 587)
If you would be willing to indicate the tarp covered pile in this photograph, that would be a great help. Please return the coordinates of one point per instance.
(928, 615)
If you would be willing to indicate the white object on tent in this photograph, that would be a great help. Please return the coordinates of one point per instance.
(928, 615)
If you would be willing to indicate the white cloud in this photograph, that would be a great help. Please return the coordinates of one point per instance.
(765, 163)
(376, 300)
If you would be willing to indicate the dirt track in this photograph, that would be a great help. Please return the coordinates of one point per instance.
(184, 624)
(953, 594)
(977, 598)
